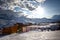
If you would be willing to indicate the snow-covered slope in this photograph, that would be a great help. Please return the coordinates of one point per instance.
(34, 35)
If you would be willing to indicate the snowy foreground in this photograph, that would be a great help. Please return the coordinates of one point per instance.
(34, 35)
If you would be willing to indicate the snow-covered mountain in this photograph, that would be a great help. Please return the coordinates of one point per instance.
(55, 18)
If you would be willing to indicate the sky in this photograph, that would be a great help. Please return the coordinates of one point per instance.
(33, 9)
(12, 11)
(51, 8)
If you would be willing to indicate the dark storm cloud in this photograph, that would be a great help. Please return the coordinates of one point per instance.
(8, 17)
(1, 2)
(6, 14)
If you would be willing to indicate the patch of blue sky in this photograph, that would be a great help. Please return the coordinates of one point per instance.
(31, 0)
(27, 12)
(17, 9)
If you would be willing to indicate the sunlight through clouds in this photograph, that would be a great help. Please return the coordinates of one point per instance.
(16, 10)
(37, 13)
(28, 5)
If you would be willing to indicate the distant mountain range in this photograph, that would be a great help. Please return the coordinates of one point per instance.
(8, 18)
(23, 19)
(10, 15)
(55, 18)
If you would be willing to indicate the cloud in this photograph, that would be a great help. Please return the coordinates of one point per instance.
(9, 17)
(11, 4)
(8, 13)
(40, 1)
